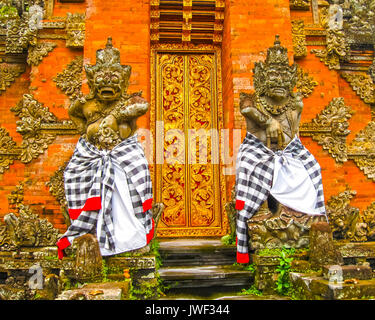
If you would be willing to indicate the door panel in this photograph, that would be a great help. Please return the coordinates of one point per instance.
(189, 182)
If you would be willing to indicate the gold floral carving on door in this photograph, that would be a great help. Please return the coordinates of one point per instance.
(189, 181)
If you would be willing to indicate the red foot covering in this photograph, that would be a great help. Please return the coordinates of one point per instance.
(147, 205)
(150, 235)
(240, 204)
(61, 245)
(242, 257)
(94, 203)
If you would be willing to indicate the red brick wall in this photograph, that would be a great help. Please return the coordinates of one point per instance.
(128, 24)
(249, 30)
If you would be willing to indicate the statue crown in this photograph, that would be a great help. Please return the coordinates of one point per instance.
(277, 54)
(109, 57)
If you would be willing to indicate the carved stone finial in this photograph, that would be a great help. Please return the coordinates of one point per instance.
(109, 43)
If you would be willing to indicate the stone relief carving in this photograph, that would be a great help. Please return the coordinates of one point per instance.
(33, 114)
(38, 127)
(56, 187)
(359, 23)
(70, 80)
(75, 30)
(8, 74)
(341, 215)
(287, 228)
(337, 47)
(305, 83)
(25, 229)
(299, 38)
(7, 146)
(362, 150)
(371, 71)
(362, 84)
(330, 129)
(38, 52)
(299, 4)
(346, 221)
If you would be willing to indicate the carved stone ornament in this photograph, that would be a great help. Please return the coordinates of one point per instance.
(305, 83)
(56, 188)
(341, 215)
(25, 229)
(371, 71)
(8, 74)
(330, 129)
(299, 38)
(33, 114)
(75, 30)
(19, 35)
(347, 222)
(362, 150)
(299, 4)
(359, 24)
(70, 80)
(7, 146)
(28, 230)
(362, 84)
(286, 228)
(38, 52)
(337, 47)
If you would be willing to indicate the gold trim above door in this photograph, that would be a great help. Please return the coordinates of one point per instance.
(186, 117)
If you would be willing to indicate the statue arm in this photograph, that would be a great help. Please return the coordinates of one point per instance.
(258, 117)
(134, 109)
(76, 115)
(249, 111)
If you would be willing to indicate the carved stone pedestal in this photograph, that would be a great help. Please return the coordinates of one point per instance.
(322, 248)
(285, 228)
(88, 258)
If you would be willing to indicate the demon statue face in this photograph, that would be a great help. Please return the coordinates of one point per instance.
(108, 79)
(107, 115)
(273, 112)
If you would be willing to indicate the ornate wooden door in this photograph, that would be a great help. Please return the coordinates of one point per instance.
(190, 182)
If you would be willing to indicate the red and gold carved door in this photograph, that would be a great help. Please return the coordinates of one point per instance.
(187, 112)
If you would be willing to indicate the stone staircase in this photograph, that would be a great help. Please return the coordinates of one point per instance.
(202, 267)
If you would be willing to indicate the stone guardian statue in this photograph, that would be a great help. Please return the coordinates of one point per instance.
(272, 164)
(107, 181)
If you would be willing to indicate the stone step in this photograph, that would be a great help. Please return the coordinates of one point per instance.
(315, 287)
(196, 252)
(98, 291)
(205, 277)
(347, 272)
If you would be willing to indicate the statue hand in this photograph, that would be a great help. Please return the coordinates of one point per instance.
(274, 132)
(109, 122)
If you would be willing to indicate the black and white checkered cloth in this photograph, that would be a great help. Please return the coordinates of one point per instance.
(254, 176)
(89, 184)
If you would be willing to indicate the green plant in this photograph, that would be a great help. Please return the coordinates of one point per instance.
(229, 239)
(154, 250)
(283, 282)
(247, 267)
(105, 271)
(8, 12)
(251, 291)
